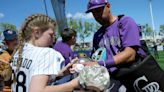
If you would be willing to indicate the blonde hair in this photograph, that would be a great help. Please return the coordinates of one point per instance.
(42, 22)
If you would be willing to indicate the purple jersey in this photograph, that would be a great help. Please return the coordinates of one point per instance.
(65, 50)
(113, 39)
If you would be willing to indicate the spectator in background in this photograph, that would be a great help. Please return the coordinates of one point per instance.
(64, 47)
(10, 41)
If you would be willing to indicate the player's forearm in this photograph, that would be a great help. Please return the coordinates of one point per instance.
(66, 87)
(127, 55)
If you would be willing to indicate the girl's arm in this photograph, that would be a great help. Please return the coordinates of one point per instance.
(39, 84)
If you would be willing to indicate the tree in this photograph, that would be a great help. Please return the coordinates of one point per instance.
(97, 26)
(4, 26)
(72, 23)
(83, 28)
(161, 29)
(148, 30)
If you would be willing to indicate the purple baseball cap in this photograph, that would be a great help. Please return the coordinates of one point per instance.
(95, 4)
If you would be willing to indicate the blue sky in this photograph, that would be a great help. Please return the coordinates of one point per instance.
(137, 9)
(14, 11)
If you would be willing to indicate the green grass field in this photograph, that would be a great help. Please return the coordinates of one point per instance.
(161, 58)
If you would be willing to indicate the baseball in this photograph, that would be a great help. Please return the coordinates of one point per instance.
(79, 67)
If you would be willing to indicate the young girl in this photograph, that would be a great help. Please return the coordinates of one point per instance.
(33, 62)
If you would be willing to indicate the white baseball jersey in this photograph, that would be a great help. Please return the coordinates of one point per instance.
(35, 61)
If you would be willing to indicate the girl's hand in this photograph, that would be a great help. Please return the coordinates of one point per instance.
(68, 66)
(77, 68)
(72, 70)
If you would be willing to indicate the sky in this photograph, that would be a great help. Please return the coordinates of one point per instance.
(15, 11)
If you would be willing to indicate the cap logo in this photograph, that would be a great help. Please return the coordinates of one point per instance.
(10, 32)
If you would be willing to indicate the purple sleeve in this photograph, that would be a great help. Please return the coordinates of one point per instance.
(129, 33)
(108, 62)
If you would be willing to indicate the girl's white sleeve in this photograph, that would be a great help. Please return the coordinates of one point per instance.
(50, 63)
